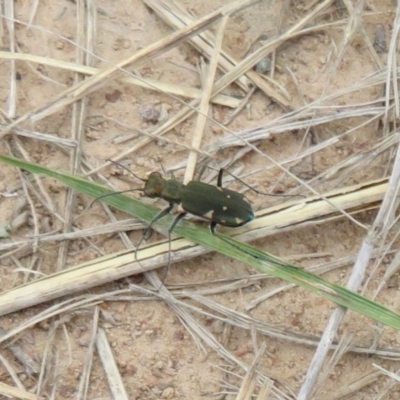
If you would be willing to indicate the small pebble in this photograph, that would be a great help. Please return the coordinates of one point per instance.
(149, 113)
(380, 44)
(168, 393)
(263, 66)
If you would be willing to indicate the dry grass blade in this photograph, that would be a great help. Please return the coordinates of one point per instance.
(60, 308)
(249, 383)
(93, 83)
(67, 143)
(177, 17)
(311, 211)
(12, 99)
(205, 103)
(395, 379)
(196, 329)
(117, 266)
(10, 369)
(391, 86)
(110, 367)
(147, 83)
(244, 321)
(323, 116)
(12, 392)
(377, 231)
(300, 119)
(174, 15)
(87, 367)
(111, 228)
(352, 388)
(85, 35)
(227, 79)
(31, 365)
(271, 45)
(48, 358)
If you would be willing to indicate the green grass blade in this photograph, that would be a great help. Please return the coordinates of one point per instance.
(223, 244)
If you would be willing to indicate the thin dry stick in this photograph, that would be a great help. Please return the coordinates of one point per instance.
(197, 330)
(283, 11)
(244, 321)
(175, 16)
(254, 58)
(351, 29)
(388, 387)
(42, 136)
(301, 119)
(345, 345)
(216, 346)
(391, 86)
(13, 392)
(10, 368)
(33, 211)
(12, 93)
(391, 269)
(220, 85)
(352, 388)
(78, 122)
(117, 266)
(87, 366)
(108, 228)
(249, 383)
(355, 280)
(110, 367)
(46, 199)
(265, 390)
(354, 27)
(93, 83)
(270, 46)
(240, 107)
(46, 359)
(151, 135)
(31, 366)
(34, 7)
(205, 102)
(58, 309)
(359, 27)
(147, 83)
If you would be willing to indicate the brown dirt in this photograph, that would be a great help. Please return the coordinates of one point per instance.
(155, 353)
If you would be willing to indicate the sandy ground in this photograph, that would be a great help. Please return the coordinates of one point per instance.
(155, 354)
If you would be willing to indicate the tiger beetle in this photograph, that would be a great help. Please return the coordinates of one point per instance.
(213, 203)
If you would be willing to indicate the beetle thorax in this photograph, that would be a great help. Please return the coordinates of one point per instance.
(157, 186)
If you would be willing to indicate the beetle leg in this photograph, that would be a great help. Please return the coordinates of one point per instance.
(251, 187)
(219, 181)
(170, 229)
(161, 214)
(203, 168)
(213, 225)
(176, 220)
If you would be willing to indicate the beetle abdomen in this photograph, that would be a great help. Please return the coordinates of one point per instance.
(223, 206)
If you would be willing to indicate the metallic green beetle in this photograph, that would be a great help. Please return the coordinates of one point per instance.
(213, 203)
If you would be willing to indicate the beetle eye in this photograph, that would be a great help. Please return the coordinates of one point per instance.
(149, 192)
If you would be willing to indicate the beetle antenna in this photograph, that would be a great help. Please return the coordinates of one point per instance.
(258, 191)
(127, 169)
(158, 216)
(114, 193)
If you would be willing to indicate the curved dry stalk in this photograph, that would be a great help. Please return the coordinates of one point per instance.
(122, 264)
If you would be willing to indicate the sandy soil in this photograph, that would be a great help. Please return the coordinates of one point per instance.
(155, 354)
